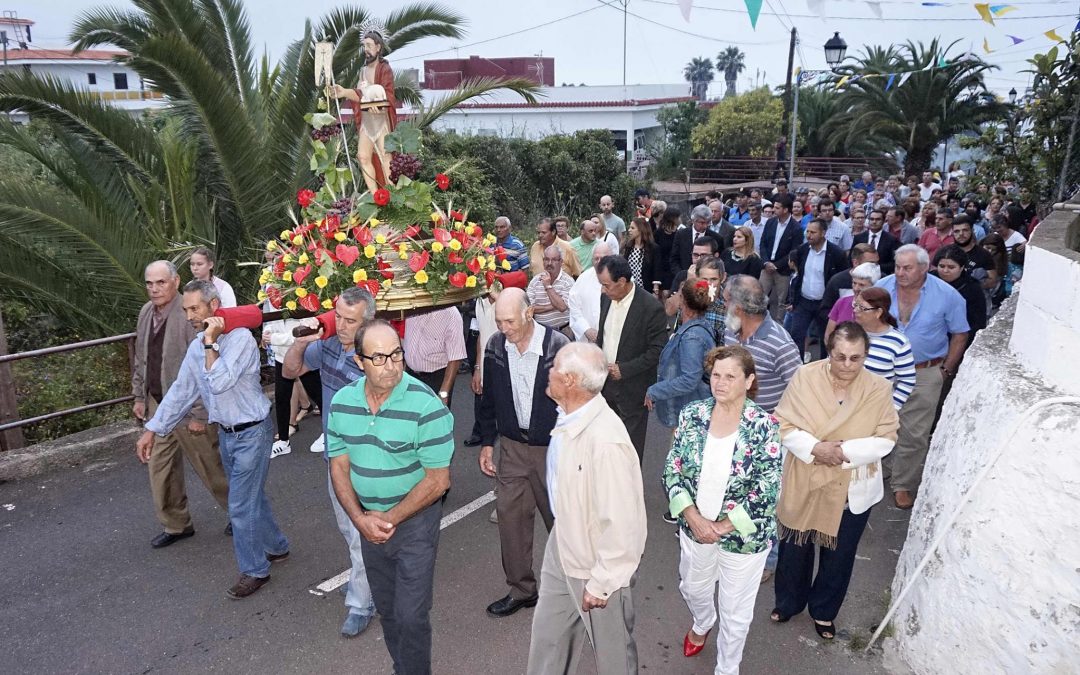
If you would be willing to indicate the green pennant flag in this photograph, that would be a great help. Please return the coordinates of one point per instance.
(753, 7)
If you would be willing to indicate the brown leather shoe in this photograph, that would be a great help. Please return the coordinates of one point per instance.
(246, 586)
(903, 499)
(277, 557)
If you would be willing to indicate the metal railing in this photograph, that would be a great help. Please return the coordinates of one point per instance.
(728, 170)
(11, 425)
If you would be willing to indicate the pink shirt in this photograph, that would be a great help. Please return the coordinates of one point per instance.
(931, 240)
(434, 339)
(843, 311)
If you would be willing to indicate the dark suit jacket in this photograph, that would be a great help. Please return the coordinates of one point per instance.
(684, 244)
(836, 261)
(886, 248)
(643, 338)
(727, 233)
(789, 241)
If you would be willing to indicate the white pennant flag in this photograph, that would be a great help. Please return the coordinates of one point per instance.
(816, 7)
(903, 79)
(684, 7)
(875, 7)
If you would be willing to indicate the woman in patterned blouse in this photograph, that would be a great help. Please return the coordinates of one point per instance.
(722, 477)
(639, 249)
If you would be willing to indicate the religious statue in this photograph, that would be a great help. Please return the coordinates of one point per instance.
(374, 107)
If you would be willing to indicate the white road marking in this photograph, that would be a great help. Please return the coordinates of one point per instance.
(339, 580)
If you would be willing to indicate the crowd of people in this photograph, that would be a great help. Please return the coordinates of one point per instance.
(795, 345)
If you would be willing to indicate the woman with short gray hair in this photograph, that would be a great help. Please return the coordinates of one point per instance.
(862, 277)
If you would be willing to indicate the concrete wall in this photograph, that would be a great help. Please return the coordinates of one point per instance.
(1002, 593)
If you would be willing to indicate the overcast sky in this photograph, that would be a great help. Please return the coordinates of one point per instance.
(588, 47)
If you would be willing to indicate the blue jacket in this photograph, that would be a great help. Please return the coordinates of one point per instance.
(682, 364)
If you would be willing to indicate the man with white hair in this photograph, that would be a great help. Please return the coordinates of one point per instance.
(933, 316)
(687, 237)
(515, 410)
(585, 299)
(593, 552)
(162, 336)
(516, 253)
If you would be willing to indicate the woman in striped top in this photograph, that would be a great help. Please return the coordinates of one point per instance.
(890, 352)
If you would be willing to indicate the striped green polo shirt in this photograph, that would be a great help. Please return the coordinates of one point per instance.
(388, 451)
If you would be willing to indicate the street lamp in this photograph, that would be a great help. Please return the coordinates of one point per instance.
(1012, 96)
(835, 49)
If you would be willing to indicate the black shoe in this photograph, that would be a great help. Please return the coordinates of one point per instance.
(228, 529)
(168, 538)
(276, 557)
(472, 441)
(668, 518)
(510, 604)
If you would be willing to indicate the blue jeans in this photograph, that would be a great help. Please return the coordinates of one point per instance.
(357, 592)
(803, 319)
(245, 457)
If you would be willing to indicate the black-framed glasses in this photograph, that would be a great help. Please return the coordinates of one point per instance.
(380, 359)
(859, 309)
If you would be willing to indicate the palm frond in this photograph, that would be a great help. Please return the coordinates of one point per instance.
(103, 26)
(472, 88)
(420, 20)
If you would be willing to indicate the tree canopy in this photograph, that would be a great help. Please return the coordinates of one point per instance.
(746, 124)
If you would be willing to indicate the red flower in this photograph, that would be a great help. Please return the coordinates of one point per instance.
(412, 230)
(371, 285)
(305, 197)
(702, 284)
(381, 197)
(441, 235)
(457, 279)
(500, 253)
(442, 181)
(418, 262)
(333, 222)
(279, 268)
(310, 302)
(274, 295)
(300, 274)
(473, 265)
(455, 257)
(489, 278)
(457, 215)
(363, 235)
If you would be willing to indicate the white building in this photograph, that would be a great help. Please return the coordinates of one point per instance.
(628, 112)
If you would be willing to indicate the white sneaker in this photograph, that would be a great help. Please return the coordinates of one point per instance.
(280, 448)
(319, 445)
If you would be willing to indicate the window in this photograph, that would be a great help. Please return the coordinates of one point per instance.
(91, 78)
(120, 81)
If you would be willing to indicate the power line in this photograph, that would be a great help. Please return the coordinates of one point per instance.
(820, 16)
(680, 31)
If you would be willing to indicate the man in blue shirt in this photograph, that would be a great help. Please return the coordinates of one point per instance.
(223, 370)
(333, 358)
(516, 253)
(933, 316)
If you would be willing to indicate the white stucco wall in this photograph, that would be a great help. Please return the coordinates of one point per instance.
(1002, 593)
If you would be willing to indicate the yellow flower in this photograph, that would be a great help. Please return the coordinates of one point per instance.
(455, 245)
(470, 281)
(271, 246)
(459, 226)
(286, 276)
(369, 251)
(374, 222)
(387, 283)
(353, 221)
(403, 255)
(301, 292)
(287, 258)
(490, 239)
(359, 275)
(402, 247)
(491, 263)
(265, 277)
(435, 217)
(286, 235)
(297, 240)
(421, 277)
(302, 259)
(472, 224)
(290, 305)
(339, 236)
(261, 296)
(469, 229)
(480, 259)
(321, 281)
(327, 304)
(380, 239)
(436, 247)
(506, 264)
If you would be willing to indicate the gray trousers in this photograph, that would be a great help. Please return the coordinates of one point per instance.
(521, 482)
(903, 466)
(560, 626)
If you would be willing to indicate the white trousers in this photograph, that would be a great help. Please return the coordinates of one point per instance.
(701, 567)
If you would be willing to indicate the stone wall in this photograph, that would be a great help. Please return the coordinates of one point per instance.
(1002, 593)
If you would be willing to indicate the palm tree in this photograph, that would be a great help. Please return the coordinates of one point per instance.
(819, 108)
(730, 63)
(220, 166)
(699, 73)
(941, 99)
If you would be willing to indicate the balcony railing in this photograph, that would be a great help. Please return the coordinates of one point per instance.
(734, 170)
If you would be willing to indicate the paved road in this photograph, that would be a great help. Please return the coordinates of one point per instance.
(83, 592)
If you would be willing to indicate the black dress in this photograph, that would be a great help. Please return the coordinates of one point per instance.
(750, 266)
(664, 243)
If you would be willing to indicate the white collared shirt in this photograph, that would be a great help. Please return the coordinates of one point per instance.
(555, 446)
(522, 368)
(813, 283)
(613, 326)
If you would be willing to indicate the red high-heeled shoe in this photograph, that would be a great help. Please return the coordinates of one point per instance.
(691, 649)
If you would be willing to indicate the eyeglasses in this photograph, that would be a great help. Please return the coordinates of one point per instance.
(380, 359)
(840, 358)
(859, 309)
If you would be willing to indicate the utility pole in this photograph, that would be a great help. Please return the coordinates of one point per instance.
(3, 39)
(624, 5)
(787, 84)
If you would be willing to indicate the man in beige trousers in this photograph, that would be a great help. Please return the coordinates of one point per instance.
(593, 552)
(163, 334)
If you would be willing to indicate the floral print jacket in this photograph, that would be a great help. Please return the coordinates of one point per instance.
(750, 500)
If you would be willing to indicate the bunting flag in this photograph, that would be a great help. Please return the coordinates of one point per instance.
(986, 46)
(753, 8)
(983, 8)
(1054, 37)
(843, 80)
(998, 10)
(684, 7)
(889, 84)
(903, 78)
(875, 7)
(1015, 40)
(816, 7)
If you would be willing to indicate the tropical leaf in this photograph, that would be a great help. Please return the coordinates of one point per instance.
(474, 88)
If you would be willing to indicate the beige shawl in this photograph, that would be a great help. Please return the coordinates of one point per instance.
(812, 496)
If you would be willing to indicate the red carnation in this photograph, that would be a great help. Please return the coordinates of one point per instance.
(305, 197)
(702, 284)
(442, 181)
(381, 197)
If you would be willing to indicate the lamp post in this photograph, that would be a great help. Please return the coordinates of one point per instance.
(835, 49)
(1012, 96)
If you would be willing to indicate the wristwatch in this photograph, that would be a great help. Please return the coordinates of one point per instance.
(213, 345)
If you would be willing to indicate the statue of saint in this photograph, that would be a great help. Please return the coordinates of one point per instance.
(374, 109)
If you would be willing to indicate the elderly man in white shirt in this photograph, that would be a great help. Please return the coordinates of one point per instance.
(585, 299)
